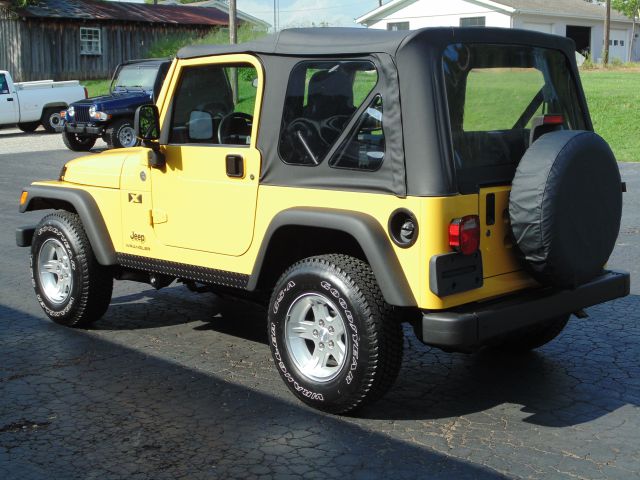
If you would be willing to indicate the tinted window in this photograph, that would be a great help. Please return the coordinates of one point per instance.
(321, 99)
(497, 94)
(4, 88)
(364, 148)
(204, 110)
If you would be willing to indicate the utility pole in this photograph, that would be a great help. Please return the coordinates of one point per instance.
(233, 39)
(607, 31)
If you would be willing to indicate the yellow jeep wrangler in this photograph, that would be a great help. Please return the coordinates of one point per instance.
(351, 180)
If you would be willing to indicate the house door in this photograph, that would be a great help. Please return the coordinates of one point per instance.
(619, 45)
(205, 199)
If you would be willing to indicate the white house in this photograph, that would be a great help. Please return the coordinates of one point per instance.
(577, 19)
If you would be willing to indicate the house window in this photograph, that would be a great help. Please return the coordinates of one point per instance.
(622, 43)
(90, 43)
(394, 27)
(473, 22)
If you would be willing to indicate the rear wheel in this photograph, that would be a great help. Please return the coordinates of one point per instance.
(78, 143)
(51, 119)
(71, 286)
(534, 337)
(121, 134)
(29, 127)
(335, 341)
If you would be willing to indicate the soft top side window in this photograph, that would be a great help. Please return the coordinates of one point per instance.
(321, 99)
(364, 148)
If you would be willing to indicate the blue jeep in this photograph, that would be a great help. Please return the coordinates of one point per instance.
(135, 83)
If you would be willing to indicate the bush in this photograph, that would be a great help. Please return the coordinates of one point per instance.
(169, 46)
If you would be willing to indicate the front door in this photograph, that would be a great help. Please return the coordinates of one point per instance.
(8, 103)
(205, 198)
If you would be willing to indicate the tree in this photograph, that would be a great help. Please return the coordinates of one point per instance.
(631, 8)
(607, 32)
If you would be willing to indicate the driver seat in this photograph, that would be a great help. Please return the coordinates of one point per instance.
(330, 94)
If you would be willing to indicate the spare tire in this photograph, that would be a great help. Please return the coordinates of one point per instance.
(565, 207)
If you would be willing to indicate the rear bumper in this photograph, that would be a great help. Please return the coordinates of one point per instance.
(81, 129)
(479, 324)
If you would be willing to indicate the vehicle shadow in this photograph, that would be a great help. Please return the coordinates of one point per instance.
(572, 380)
(159, 417)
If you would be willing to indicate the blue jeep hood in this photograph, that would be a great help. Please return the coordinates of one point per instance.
(117, 101)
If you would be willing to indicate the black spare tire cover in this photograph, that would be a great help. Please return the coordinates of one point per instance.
(565, 207)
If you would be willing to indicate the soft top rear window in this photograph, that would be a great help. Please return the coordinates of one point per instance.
(498, 95)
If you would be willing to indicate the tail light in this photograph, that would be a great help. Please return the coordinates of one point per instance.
(464, 234)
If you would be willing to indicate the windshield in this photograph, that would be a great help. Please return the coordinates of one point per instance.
(498, 96)
(136, 77)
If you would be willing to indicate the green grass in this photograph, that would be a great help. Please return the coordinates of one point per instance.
(614, 103)
(97, 87)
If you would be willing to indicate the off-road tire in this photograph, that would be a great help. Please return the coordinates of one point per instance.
(373, 341)
(534, 337)
(29, 127)
(112, 134)
(78, 143)
(50, 119)
(91, 283)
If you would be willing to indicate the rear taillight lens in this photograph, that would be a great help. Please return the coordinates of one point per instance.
(464, 234)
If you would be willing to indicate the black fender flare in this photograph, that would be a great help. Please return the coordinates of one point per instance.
(41, 197)
(365, 229)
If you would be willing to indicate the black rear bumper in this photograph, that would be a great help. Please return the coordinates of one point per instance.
(479, 324)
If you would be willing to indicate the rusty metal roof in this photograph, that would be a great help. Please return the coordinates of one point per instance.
(123, 12)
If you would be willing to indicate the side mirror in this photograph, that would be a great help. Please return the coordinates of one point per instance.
(147, 123)
(147, 126)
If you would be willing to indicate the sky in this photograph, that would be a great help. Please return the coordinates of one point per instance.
(304, 13)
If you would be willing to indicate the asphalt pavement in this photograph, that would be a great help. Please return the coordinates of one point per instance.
(171, 384)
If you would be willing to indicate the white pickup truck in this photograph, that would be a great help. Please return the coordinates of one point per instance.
(30, 104)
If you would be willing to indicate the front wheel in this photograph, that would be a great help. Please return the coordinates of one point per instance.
(335, 341)
(78, 143)
(51, 119)
(121, 134)
(71, 286)
(29, 127)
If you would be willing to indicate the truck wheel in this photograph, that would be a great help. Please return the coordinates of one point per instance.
(51, 119)
(121, 134)
(535, 337)
(71, 286)
(28, 127)
(335, 341)
(78, 143)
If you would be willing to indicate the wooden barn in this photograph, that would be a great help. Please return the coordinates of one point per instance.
(87, 39)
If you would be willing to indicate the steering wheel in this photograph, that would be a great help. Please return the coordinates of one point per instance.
(234, 124)
(306, 137)
(332, 127)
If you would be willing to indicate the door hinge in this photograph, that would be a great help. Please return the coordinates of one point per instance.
(158, 216)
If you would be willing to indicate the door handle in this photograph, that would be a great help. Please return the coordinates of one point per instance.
(10, 99)
(235, 166)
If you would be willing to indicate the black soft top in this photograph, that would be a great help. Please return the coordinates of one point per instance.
(355, 41)
(418, 146)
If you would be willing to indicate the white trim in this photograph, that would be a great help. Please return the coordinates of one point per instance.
(491, 5)
(381, 9)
